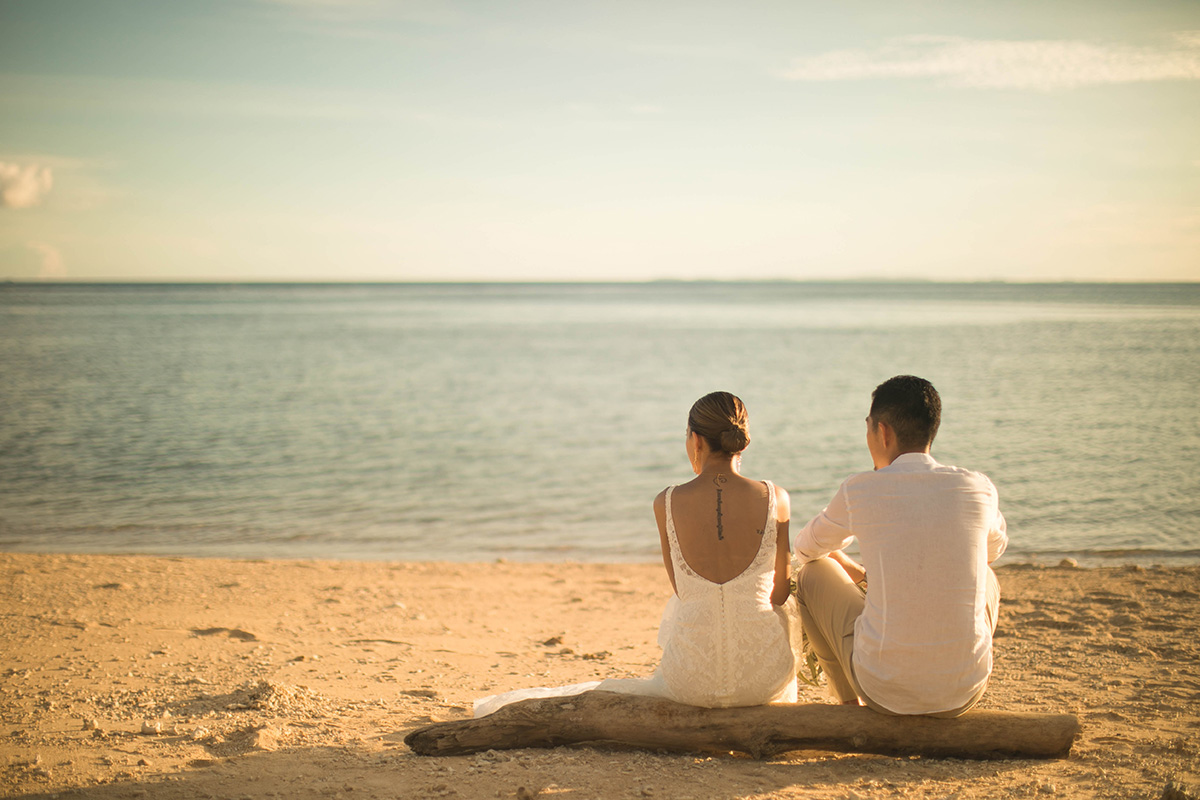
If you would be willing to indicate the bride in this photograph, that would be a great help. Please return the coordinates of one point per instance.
(730, 632)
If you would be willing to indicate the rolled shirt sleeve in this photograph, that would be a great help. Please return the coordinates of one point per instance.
(827, 531)
(997, 540)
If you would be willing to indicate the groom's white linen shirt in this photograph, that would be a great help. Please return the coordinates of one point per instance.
(926, 533)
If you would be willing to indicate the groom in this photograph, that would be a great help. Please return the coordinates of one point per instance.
(919, 641)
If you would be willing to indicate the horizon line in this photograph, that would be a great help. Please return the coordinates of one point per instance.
(65, 282)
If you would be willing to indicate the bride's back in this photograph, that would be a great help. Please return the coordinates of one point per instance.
(720, 519)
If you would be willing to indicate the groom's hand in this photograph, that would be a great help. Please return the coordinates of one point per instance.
(853, 568)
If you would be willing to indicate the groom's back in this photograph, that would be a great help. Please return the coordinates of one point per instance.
(923, 532)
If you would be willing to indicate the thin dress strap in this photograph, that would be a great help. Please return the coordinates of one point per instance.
(673, 540)
(770, 504)
(769, 527)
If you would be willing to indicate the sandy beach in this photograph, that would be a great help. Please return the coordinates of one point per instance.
(129, 676)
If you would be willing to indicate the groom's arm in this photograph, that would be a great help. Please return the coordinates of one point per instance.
(853, 568)
(997, 539)
(827, 531)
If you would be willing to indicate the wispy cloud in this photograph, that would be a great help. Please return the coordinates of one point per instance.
(366, 19)
(23, 186)
(612, 111)
(79, 184)
(330, 9)
(1044, 65)
(40, 93)
(52, 265)
(348, 6)
(53, 161)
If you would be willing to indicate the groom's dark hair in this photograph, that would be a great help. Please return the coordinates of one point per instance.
(911, 406)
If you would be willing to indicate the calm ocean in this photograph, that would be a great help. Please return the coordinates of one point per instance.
(537, 422)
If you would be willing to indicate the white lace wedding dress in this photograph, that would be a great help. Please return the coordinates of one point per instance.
(724, 644)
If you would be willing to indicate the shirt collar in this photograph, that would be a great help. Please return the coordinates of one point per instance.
(908, 460)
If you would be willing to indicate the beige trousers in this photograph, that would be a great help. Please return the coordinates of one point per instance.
(830, 603)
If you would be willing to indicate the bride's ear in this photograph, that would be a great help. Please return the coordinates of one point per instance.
(693, 444)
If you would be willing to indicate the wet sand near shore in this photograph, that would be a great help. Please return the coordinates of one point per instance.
(131, 676)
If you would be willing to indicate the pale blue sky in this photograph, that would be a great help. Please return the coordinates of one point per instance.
(560, 140)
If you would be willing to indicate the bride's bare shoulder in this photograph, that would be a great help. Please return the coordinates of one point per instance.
(783, 504)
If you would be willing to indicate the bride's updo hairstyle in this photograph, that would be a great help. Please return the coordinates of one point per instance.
(721, 419)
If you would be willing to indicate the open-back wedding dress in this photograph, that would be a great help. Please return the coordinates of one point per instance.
(724, 644)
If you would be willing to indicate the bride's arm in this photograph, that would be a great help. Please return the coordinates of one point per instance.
(783, 549)
(660, 514)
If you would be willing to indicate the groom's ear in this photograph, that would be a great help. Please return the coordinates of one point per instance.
(887, 435)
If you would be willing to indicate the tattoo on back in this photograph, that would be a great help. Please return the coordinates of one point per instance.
(717, 481)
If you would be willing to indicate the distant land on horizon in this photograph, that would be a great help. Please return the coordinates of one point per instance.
(66, 282)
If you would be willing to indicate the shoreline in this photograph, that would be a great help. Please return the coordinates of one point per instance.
(265, 678)
(1117, 558)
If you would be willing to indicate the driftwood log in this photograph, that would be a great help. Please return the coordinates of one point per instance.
(611, 718)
